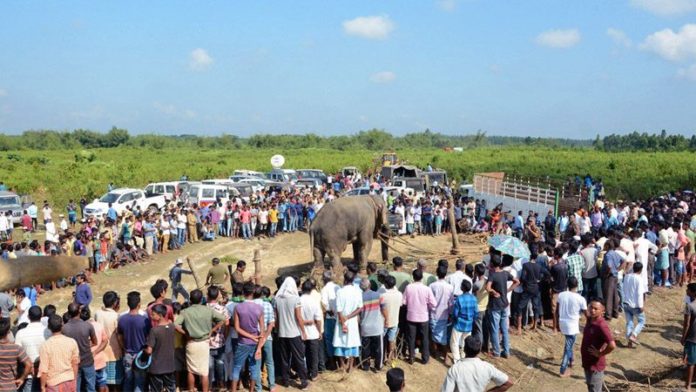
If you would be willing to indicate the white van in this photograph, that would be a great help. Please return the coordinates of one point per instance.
(207, 194)
(170, 190)
(248, 173)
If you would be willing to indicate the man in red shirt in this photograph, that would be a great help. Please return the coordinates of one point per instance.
(597, 343)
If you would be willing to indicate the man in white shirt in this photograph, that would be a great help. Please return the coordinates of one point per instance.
(23, 305)
(455, 279)
(633, 290)
(570, 306)
(31, 338)
(643, 249)
(311, 316)
(471, 374)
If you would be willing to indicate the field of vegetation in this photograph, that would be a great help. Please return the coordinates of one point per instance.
(60, 174)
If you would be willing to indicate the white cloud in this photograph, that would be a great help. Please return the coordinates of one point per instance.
(172, 111)
(370, 27)
(447, 5)
(559, 39)
(383, 77)
(688, 73)
(619, 37)
(673, 46)
(666, 7)
(200, 60)
(3, 92)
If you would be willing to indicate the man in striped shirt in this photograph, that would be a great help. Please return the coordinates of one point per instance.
(11, 356)
(575, 263)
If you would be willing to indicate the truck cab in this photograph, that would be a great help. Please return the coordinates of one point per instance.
(10, 201)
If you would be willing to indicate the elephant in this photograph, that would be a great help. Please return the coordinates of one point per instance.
(351, 219)
(29, 270)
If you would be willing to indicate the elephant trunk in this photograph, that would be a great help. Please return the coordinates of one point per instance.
(30, 270)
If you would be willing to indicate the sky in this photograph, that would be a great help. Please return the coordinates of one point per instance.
(540, 68)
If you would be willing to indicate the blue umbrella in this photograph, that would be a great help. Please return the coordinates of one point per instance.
(509, 245)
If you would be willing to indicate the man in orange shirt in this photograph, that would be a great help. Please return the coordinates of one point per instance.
(59, 359)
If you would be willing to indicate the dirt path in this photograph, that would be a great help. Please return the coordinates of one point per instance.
(535, 356)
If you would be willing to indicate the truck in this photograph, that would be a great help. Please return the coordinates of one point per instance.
(495, 189)
(10, 201)
(122, 198)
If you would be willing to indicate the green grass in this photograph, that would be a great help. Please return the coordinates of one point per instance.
(60, 175)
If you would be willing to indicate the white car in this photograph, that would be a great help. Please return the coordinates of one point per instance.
(257, 184)
(122, 198)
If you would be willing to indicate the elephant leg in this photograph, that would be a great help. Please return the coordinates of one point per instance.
(336, 265)
(365, 248)
(318, 259)
(357, 251)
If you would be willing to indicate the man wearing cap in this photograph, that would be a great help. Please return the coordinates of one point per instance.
(175, 276)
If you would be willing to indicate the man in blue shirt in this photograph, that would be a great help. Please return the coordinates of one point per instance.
(111, 213)
(613, 262)
(32, 211)
(464, 314)
(83, 293)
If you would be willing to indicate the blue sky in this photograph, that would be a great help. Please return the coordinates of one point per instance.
(520, 68)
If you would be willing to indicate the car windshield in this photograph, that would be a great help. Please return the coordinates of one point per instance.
(109, 198)
(9, 201)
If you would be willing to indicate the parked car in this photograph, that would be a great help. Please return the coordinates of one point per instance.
(350, 171)
(257, 184)
(312, 174)
(358, 191)
(10, 201)
(242, 190)
(412, 186)
(308, 183)
(248, 173)
(122, 198)
(206, 194)
(282, 175)
(170, 190)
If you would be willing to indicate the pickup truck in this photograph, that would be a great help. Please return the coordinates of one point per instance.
(122, 198)
(10, 201)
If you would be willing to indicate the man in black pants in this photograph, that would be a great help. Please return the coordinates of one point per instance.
(291, 333)
(419, 300)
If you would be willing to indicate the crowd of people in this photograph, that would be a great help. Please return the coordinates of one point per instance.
(598, 261)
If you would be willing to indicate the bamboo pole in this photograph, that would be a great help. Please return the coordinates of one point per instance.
(193, 272)
(257, 266)
(453, 227)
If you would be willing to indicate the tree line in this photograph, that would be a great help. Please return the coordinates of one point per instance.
(635, 141)
(372, 140)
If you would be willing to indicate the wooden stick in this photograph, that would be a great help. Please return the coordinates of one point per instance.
(257, 266)
(193, 272)
(453, 227)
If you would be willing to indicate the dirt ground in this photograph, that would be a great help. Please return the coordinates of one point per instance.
(533, 366)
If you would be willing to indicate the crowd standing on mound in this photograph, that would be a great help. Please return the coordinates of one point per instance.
(234, 333)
